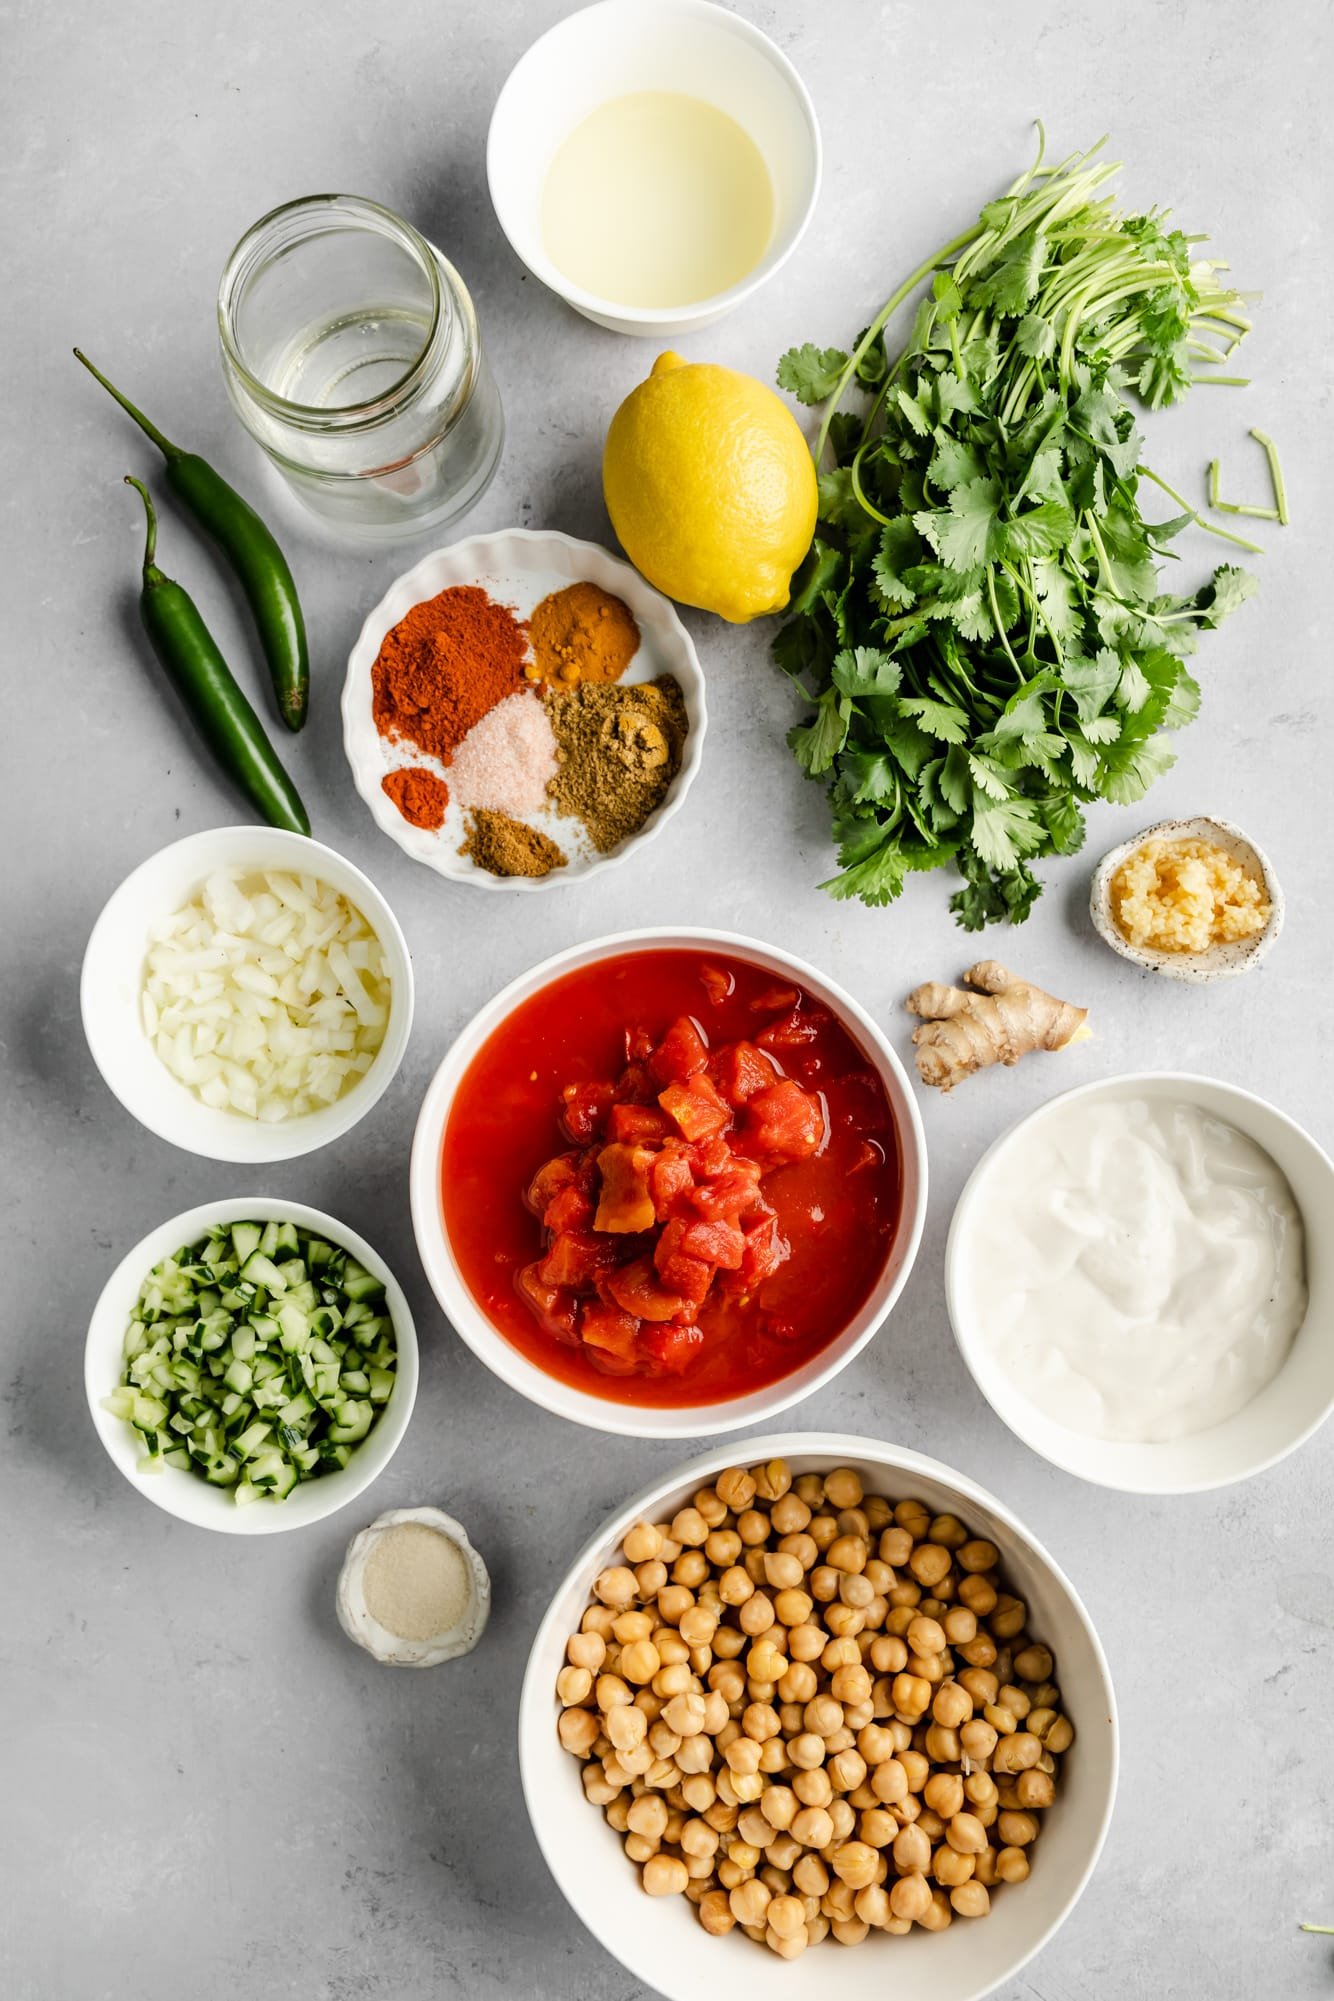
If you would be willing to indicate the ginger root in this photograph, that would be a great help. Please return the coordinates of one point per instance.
(998, 1023)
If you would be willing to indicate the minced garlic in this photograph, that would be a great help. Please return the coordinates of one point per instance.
(1184, 896)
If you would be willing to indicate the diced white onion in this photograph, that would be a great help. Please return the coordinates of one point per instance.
(267, 995)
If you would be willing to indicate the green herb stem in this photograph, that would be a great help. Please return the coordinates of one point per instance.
(1275, 473)
(1210, 527)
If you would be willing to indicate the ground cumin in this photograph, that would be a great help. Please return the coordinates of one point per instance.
(507, 847)
(582, 633)
(419, 795)
(446, 662)
(619, 749)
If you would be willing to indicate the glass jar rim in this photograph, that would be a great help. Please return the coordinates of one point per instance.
(238, 268)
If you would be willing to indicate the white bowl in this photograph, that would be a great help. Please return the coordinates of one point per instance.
(619, 46)
(1219, 962)
(111, 989)
(519, 566)
(660, 1940)
(185, 1494)
(1293, 1405)
(603, 1413)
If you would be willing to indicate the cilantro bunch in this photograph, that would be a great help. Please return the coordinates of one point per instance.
(980, 621)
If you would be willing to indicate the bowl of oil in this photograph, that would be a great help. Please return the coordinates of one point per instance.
(653, 162)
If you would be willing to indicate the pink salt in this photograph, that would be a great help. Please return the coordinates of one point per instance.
(507, 759)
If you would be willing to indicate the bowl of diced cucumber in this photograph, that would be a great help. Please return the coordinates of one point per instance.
(251, 1365)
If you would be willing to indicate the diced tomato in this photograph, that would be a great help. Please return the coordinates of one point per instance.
(670, 1181)
(584, 1107)
(607, 1328)
(637, 1290)
(638, 1045)
(740, 1070)
(625, 1204)
(635, 1086)
(718, 1243)
(574, 1259)
(641, 1124)
(551, 1177)
(775, 1000)
(766, 1249)
(681, 1052)
(794, 1030)
(695, 1107)
(671, 1349)
(569, 1209)
(717, 984)
(732, 1196)
(553, 1305)
(713, 1157)
(784, 1122)
(688, 1275)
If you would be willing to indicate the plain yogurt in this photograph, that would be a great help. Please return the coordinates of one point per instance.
(1137, 1268)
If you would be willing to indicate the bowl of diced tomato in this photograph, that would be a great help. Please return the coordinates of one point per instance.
(669, 1183)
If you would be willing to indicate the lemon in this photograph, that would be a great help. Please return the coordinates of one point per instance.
(710, 487)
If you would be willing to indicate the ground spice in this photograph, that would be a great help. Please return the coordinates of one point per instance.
(506, 847)
(448, 661)
(582, 633)
(619, 749)
(416, 1582)
(507, 760)
(419, 795)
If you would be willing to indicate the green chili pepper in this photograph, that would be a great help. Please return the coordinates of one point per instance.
(254, 555)
(203, 680)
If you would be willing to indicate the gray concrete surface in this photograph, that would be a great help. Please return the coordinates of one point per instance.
(203, 1787)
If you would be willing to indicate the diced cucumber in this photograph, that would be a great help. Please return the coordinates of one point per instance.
(353, 1421)
(359, 1284)
(260, 1269)
(268, 1239)
(245, 1240)
(381, 1383)
(288, 1240)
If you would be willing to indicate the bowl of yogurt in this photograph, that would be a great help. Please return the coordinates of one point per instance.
(1139, 1278)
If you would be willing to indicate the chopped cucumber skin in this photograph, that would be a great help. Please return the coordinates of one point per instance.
(256, 1358)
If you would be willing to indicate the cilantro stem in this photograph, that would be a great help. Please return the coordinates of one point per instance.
(1210, 527)
(1321, 1931)
(877, 327)
(1213, 482)
(1239, 507)
(1220, 381)
(1275, 473)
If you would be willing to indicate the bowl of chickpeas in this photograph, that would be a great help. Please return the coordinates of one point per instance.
(816, 1694)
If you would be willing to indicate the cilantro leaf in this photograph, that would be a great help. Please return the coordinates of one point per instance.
(811, 373)
(962, 538)
(941, 720)
(816, 744)
(864, 670)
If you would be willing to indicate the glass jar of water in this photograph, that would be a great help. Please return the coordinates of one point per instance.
(351, 354)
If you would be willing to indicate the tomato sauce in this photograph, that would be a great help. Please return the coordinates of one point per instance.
(838, 1209)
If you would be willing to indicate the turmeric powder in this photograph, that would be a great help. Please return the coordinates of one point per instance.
(582, 633)
(998, 1023)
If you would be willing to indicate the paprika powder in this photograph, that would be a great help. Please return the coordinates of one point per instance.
(419, 795)
(444, 665)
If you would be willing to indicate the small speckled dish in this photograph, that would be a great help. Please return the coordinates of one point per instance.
(1220, 962)
(518, 567)
(392, 1648)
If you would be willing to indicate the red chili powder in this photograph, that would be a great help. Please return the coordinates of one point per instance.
(444, 665)
(420, 796)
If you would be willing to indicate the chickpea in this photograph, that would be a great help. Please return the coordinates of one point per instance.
(1009, 1618)
(929, 1563)
(889, 1655)
(627, 1727)
(980, 1683)
(812, 1827)
(850, 1685)
(844, 1621)
(698, 1791)
(749, 1901)
(978, 1555)
(1035, 1789)
(984, 1867)
(813, 1788)
(911, 1694)
(856, 1591)
(1034, 1663)
(757, 1614)
(951, 1705)
(685, 1714)
(847, 1553)
(806, 1642)
(664, 1876)
(735, 1488)
(877, 1827)
(925, 1636)
(1011, 1865)
(889, 1782)
(678, 1679)
(1061, 1735)
(723, 1548)
(970, 1900)
(577, 1730)
(760, 1721)
(966, 1833)
(980, 1651)
(586, 1650)
(596, 1787)
(640, 1661)
(786, 1916)
(917, 1768)
(773, 1480)
(642, 1542)
(822, 1583)
(789, 1514)
(910, 1897)
(691, 1568)
(854, 1863)
(944, 1794)
(735, 1586)
(773, 1756)
(674, 1601)
(715, 1913)
(574, 1685)
(1017, 1830)
(765, 1663)
(960, 1625)
(782, 1571)
(940, 1915)
(783, 1851)
(949, 1867)
(911, 1849)
(648, 1816)
(793, 1607)
(639, 1847)
(843, 1488)
(798, 1683)
(1018, 1753)
(717, 1713)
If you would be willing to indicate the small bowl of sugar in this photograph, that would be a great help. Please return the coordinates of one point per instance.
(413, 1591)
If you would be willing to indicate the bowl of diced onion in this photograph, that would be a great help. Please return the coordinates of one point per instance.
(317, 1350)
(247, 994)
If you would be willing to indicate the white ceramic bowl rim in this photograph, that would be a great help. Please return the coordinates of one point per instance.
(185, 1495)
(604, 1413)
(534, 256)
(538, 1707)
(1086, 1455)
(110, 989)
(475, 556)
